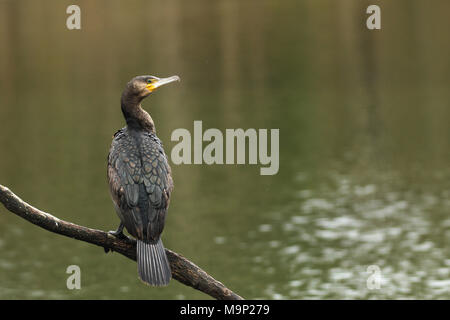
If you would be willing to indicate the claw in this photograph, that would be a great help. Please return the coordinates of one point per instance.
(118, 234)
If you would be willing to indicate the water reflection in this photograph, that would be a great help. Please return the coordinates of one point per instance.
(326, 238)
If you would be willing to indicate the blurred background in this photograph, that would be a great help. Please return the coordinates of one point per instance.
(363, 115)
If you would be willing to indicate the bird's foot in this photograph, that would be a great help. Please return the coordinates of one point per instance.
(118, 234)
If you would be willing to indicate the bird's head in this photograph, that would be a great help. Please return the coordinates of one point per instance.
(137, 89)
(141, 86)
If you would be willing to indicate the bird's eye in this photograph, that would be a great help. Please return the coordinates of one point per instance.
(149, 81)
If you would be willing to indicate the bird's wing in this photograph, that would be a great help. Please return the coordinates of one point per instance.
(124, 167)
(158, 183)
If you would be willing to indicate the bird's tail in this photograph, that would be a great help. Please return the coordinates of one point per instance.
(153, 266)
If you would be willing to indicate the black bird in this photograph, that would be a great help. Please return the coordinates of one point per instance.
(140, 180)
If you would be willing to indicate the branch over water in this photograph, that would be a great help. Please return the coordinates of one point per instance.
(183, 270)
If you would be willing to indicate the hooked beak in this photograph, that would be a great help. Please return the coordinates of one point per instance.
(160, 82)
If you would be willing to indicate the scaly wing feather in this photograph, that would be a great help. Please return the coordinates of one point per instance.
(140, 183)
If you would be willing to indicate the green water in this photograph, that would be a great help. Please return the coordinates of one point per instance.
(364, 176)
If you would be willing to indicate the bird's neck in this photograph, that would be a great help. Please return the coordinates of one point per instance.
(136, 117)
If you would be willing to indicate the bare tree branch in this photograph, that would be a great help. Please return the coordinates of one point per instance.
(183, 270)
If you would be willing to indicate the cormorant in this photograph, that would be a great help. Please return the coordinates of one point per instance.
(140, 180)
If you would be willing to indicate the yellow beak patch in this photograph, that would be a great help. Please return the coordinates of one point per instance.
(150, 87)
